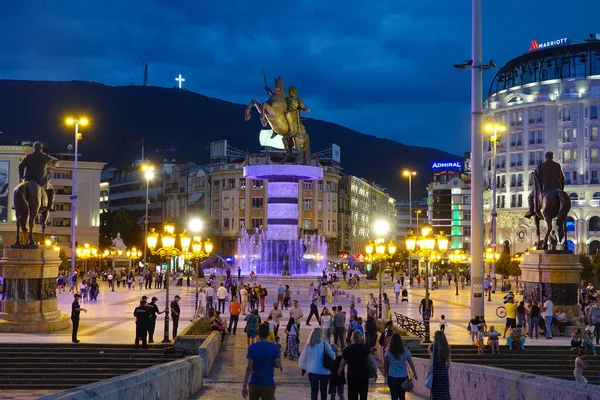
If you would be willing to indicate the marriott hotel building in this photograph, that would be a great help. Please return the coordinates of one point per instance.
(549, 100)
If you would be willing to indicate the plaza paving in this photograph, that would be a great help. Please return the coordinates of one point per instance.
(110, 319)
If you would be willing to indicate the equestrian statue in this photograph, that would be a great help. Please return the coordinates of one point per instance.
(548, 201)
(34, 195)
(282, 114)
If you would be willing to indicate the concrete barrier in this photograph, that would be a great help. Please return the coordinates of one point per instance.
(176, 380)
(209, 350)
(479, 382)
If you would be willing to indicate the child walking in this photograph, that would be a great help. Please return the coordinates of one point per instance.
(443, 323)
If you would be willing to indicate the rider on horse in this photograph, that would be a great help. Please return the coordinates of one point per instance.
(35, 167)
(547, 175)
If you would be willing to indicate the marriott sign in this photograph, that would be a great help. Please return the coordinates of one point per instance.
(539, 46)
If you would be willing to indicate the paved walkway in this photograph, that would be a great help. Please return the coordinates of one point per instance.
(227, 376)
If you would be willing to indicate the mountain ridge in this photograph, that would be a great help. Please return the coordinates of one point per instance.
(180, 124)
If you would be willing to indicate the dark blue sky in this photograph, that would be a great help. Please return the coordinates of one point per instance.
(382, 67)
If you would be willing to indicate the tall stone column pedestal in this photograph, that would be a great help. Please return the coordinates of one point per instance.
(553, 273)
(30, 303)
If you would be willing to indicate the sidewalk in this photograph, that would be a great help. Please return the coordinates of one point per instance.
(227, 375)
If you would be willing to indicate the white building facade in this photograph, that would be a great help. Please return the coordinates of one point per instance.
(549, 100)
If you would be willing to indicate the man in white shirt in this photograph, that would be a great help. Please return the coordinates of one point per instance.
(276, 314)
(221, 297)
(548, 315)
(397, 288)
(210, 295)
(296, 313)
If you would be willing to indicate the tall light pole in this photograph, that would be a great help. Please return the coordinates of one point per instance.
(426, 244)
(148, 171)
(494, 129)
(409, 174)
(73, 197)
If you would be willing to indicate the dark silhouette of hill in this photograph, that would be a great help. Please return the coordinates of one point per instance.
(179, 124)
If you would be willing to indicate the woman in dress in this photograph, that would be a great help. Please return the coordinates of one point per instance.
(326, 324)
(395, 367)
(440, 351)
(291, 347)
(385, 310)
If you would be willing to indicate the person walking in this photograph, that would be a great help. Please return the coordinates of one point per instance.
(326, 324)
(311, 361)
(397, 289)
(234, 315)
(175, 312)
(221, 297)
(296, 313)
(252, 322)
(291, 343)
(339, 328)
(263, 356)
(314, 310)
(355, 357)
(280, 294)
(548, 315)
(142, 319)
(276, 314)
(385, 311)
(440, 352)
(75, 311)
(154, 311)
(210, 295)
(371, 330)
(423, 309)
(580, 365)
(395, 366)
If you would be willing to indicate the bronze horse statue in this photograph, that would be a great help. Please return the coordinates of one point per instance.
(30, 200)
(272, 113)
(555, 203)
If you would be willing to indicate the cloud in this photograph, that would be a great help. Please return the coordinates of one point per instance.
(383, 67)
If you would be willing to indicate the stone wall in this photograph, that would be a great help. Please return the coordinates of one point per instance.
(209, 350)
(177, 380)
(469, 381)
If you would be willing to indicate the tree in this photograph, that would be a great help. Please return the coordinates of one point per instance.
(595, 266)
(588, 264)
(514, 269)
(502, 264)
(64, 261)
(124, 222)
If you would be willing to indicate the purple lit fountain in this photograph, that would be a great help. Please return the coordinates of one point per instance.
(279, 250)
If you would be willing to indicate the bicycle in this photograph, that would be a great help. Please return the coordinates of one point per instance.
(501, 312)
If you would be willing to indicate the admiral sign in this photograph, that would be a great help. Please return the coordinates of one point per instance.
(449, 164)
(539, 46)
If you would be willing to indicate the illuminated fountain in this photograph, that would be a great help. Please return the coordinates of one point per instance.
(279, 250)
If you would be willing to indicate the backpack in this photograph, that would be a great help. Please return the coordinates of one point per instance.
(382, 338)
(265, 292)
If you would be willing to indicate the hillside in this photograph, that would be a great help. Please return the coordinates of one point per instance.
(180, 124)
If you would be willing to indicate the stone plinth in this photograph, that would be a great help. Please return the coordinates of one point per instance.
(30, 303)
(552, 273)
(282, 195)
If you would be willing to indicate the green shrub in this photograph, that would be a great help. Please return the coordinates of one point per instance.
(200, 327)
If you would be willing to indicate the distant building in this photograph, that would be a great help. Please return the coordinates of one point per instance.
(59, 223)
(549, 100)
(367, 203)
(449, 201)
(403, 221)
(185, 193)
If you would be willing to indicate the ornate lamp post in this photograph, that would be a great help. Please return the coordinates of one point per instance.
(169, 251)
(200, 251)
(133, 254)
(425, 246)
(148, 171)
(491, 256)
(457, 256)
(379, 251)
(86, 252)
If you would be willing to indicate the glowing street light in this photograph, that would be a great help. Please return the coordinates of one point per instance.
(83, 122)
(148, 170)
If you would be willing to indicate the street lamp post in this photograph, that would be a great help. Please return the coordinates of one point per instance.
(427, 249)
(148, 171)
(409, 174)
(195, 226)
(169, 251)
(133, 255)
(491, 256)
(457, 256)
(73, 197)
(380, 252)
(494, 129)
